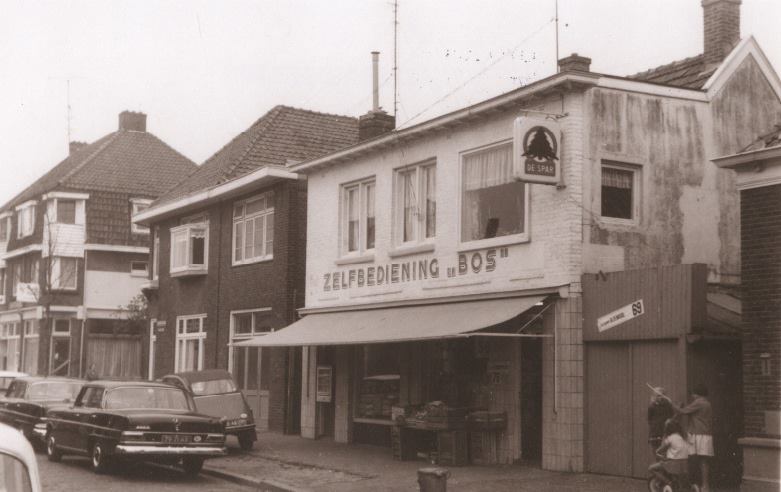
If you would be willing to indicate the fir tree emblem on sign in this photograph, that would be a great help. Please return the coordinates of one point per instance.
(540, 149)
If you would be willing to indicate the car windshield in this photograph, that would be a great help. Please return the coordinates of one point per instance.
(153, 398)
(214, 387)
(54, 390)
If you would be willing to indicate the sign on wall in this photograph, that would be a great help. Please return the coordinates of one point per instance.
(537, 150)
(615, 318)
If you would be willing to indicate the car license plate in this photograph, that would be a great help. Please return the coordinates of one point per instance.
(235, 422)
(175, 439)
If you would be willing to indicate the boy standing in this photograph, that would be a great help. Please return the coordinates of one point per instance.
(700, 430)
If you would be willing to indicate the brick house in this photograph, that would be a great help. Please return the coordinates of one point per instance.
(445, 259)
(228, 258)
(758, 169)
(72, 261)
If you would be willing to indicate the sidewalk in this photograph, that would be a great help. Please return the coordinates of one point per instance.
(292, 463)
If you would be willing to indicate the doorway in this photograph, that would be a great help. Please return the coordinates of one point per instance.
(531, 400)
(60, 348)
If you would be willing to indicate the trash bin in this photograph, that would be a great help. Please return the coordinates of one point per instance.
(433, 479)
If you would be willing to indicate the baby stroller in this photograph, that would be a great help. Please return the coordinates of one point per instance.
(677, 480)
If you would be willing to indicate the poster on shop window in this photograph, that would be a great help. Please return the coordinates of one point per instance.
(324, 384)
(537, 150)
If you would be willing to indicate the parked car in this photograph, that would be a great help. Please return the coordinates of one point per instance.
(7, 376)
(27, 400)
(17, 462)
(112, 421)
(216, 394)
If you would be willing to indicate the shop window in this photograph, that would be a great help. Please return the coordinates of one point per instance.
(494, 204)
(189, 245)
(620, 197)
(25, 220)
(415, 204)
(9, 346)
(253, 229)
(250, 366)
(190, 338)
(358, 217)
(64, 274)
(66, 211)
(378, 385)
(138, 205)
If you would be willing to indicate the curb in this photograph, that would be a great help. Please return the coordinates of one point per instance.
(262, 485)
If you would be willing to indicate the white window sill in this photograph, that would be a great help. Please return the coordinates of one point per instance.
(135, 231)
(412, 249)
(253, 261)
(614, 222)
(494, 242)
(190, 271)
(354, 260)
(140, 274)
(150, 284)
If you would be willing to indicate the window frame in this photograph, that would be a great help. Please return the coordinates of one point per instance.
(5, 221)
(523, 237)
(420, 190)
(244, 218)
(56, 273)
(135, 203)
(344, 240)
(636, 171)
(189, 266)
(237, 337)
(57, 203)
(156, 255)
(182, 337)
(23, 211)
(139, 273)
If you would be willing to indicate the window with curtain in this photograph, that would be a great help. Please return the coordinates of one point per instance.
(64, 273)
(30, 356)
(244, 361)
(114, 356)
(618, 192)
(9, 346)
(25, 221)
(190, 337)
(416, 203)
(66, 211)
(358, 229)
(188, 247)
(253, 229)
(493, 203)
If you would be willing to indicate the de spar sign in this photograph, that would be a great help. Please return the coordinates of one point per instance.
(615, 318)
(537, 150)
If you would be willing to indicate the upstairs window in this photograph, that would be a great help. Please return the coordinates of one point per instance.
(189, 245)
(253, 229)
(620, 197)
(416, 203)
(358, 217)
(494, 205)
(66, 211)
(25, 221)
(139, 268)
(5, 229)
(138, 205)
(64, 273)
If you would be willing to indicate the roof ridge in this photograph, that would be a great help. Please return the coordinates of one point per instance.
(89, 158)
(262, 123)
(311, 111)
(666, 65)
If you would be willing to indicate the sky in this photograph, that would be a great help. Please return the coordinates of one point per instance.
(204, 71)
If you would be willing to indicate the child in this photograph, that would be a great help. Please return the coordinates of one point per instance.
(674, 451)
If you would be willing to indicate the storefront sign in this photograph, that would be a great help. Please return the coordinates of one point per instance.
(415, 270)
(611, 320)
(536, 150)
(324, 383)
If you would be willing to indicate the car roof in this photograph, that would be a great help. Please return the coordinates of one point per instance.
(13, 443)
(110, 383)
(50, 379)
(204, 375)
(12, 374)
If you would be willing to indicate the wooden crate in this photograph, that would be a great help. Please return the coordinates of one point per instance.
(483, 447)
(452, 448)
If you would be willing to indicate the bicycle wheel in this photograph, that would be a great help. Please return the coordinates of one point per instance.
(655, 485)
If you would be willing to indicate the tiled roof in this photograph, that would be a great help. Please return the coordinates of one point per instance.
(282, 136)
(123, 161)
(689, 73)
(770, 139)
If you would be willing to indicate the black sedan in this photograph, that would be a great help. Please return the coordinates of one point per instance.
(215, 394)
(115, 420)
(27, 400)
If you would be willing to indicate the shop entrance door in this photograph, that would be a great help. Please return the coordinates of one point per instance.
(248, 371)
(531, 400)
(61, 348)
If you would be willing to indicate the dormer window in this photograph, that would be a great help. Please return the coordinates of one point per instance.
(66, 211)
(138, 205)
(25, 219)
(64, 207)
(189, 249)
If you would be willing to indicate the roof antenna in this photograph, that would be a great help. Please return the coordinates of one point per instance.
(395, 56)
(69, 109)
(557, 37)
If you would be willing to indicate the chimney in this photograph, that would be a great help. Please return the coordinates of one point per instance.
(721, 21)
(75, 146)
(132, 121)
(575, 63)
(376, 122)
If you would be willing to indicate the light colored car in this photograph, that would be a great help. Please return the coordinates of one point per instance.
(6, 377)
(18, 468)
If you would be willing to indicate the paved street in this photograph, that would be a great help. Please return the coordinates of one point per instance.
(74, 474)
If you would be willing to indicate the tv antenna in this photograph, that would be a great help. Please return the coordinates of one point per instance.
(395, 56)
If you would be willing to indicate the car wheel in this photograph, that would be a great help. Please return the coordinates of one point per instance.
(100, 460)
(245, 441)
(192, 465)
(52, 452)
